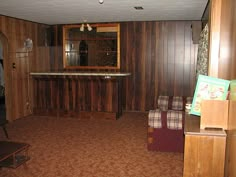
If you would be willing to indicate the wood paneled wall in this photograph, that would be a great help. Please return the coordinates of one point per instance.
(161, 58)
(222, 63)
(16, 31)
(222, 54)
(159, 55)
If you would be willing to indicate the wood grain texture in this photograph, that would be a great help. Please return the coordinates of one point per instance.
(161, 58)
(222, 62)
(159, 55)
(230, 169)
(73, 95)
(7, 80)
(214, 114)
(214, 39)
(16, 31)
(225, 28)
(204, 156)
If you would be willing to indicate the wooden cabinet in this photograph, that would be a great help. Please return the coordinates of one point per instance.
(214, 114)
(204, 153)
(204, 156)
(97, 47)
(230, 170)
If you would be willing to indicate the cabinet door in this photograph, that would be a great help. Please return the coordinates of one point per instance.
(204, 156)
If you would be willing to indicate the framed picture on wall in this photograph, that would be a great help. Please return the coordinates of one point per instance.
(208, 88)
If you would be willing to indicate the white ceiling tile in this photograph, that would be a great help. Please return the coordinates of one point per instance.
(76, 11)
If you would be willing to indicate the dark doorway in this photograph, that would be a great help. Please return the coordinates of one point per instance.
(2, 92)
(3, 119)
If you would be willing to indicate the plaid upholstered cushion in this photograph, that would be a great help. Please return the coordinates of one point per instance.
(177, 103)
(174, 120)
(163, 102)
(154, 118)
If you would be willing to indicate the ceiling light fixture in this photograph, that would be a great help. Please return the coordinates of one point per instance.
(82, 27)
(100, 1)
(88, 26)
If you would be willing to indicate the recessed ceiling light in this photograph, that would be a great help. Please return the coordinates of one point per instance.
(138, 8)
(100, 1)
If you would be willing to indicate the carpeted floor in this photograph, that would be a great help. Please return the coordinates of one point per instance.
(67, 147)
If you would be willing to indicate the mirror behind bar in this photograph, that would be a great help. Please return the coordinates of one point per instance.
(95, 49)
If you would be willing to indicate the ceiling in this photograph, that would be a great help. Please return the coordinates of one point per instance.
(77, 11)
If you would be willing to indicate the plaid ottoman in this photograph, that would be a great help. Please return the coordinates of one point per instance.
(165, 131)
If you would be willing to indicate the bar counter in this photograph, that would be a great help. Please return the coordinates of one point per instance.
(80, 73)
(79, 94)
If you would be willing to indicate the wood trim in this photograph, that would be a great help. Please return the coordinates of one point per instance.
(214, 39)
(204, 156)
(117, 67)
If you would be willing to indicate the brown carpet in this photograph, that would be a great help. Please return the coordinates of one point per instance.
(67, 147)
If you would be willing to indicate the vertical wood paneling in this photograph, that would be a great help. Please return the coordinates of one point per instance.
(159, 55)
(179, 58)
(222, 39)
(151, 64)
(233, 47)
(227, 44)
(231, 141)
(20, 96)
(226, 60)
(225, 38)
(214, 39)
(187, 74)
(71, 95)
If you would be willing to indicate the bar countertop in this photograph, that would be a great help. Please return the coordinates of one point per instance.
(80, 73)
(192, 127)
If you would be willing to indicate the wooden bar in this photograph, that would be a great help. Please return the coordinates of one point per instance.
(78, 94)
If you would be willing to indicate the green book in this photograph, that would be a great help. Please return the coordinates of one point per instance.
(208, 88)
(233, 90)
